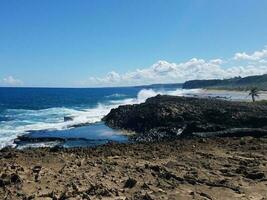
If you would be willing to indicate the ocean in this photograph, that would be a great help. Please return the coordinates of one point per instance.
(40, 112)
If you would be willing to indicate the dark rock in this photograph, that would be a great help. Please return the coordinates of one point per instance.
(168, 117)
(235, 132)
(130, 183)
(99, 190)
(15, 178)
(68, 118)
(145, 186)
(205, 195)
(56, 148)
(255, 175)
(2, 182)
(8, 179)
(155, 168)
(6, 149)
(31, 197)
(28, 139)
(9, 155)
(147, 197)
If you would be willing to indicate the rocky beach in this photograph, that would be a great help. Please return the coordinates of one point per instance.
(183, 148)
(217, 168)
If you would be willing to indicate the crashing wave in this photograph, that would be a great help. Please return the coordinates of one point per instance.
(25, 121)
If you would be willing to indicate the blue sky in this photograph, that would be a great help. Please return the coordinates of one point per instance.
(67, 43)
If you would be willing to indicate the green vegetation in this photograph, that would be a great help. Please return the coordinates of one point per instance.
(254, 92)
(236, 83)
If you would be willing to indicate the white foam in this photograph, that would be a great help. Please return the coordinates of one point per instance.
(115, 95)
(144, 94)
(53, 118)
(39, 144)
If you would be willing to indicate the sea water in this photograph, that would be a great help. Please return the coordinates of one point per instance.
(40, 112)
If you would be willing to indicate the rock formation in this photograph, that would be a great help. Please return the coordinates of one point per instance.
(163, 117)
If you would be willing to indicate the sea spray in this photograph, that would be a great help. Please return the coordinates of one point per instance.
(22, 121)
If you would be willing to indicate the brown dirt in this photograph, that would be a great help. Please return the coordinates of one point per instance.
(219, 168)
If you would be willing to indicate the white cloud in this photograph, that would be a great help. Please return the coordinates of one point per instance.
(257, 55)
(167, 72)
(11, 81)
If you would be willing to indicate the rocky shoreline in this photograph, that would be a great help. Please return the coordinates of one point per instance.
(184, 148)
(212, 168)
(168, 117)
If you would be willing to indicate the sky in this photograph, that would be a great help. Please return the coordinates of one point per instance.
(95, 43)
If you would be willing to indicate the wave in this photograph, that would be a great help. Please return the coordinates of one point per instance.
(24, 121)
(116, 95)
(39, 144)
(47, 119)
(144, 94)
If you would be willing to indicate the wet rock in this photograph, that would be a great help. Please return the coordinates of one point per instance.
(68, 118)
(56, 148)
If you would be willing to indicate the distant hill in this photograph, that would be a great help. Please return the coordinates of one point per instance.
(259, 81)
(163, 86)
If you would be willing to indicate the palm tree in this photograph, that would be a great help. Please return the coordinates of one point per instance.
(254, 92)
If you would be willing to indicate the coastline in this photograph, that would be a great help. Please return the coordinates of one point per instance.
(229, 95)
(158, 164)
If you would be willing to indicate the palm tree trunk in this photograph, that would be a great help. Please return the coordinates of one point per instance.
(253, 98)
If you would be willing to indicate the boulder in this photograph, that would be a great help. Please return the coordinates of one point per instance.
(68, 118)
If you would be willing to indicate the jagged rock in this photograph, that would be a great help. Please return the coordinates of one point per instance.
(168, 117)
